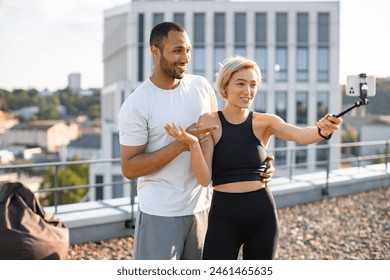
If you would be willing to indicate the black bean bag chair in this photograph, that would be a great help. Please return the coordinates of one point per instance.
(26, 231)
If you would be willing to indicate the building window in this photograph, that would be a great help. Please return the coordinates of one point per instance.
(117, 186)
(219, 40)
(219, 56)
(323, 65)
(301, 155)
(302, 64)
(302, 70)
(323, 47)
(199, 66)
(323, 28)
(280, 156)
(281, 28)
(302, 28)
(198, 54)
(99, 191)
(141, 47)
(115, 146)
(261, 59)
(261, 43)
(260, 103)
(322, 109)
(179, 18)
(281, 64)
(322, 104)
(281, 104)
(240, 34)
(158, 18)
(281, 59)
(301, 107)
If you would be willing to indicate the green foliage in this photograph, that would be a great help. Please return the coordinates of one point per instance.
(386, 158)
(75, 104)
(351, 135)
(72, 175)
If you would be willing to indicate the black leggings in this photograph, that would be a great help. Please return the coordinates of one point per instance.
(236, 219)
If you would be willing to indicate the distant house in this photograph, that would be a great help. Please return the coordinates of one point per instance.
(26, 112)
(86, 147)
(378, 129)
(7, 120)
(49, 135)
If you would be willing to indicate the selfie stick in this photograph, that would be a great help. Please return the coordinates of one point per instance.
(363, 89)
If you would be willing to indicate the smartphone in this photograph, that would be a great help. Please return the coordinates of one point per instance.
(353, 85)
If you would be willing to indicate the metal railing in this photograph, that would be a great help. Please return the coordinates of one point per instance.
(359, 157)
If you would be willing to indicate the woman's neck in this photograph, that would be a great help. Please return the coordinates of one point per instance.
(235, 115)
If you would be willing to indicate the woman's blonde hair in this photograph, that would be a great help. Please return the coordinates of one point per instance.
(230, 66)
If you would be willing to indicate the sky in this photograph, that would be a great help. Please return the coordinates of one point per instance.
(43, 41)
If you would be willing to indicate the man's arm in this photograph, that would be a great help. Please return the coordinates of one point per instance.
(136, 163)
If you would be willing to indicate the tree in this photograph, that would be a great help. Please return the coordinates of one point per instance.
(72, 175)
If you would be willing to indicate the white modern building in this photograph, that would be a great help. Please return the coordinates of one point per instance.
(296, 45)
(74, 82)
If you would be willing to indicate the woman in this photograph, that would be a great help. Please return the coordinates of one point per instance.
(242, 210)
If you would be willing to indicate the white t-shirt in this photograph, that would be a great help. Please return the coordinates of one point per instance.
(173, 190)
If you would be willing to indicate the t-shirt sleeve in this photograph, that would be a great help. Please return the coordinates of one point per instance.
(213, 99)
(132, 124)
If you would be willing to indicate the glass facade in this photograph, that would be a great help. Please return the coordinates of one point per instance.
(301, 107)
(281, 104)
(157, 18)
(219, 40)
(322, 104)
(323, 47)
(301, 155)
(260, 102)
(199, 51)
(302, 64)
(323, 64)
(261, 43)
(141, 47)
(281, 64)
(281, 59)
(179, 18)
(117, 189)
(240, 34)
(280, 156)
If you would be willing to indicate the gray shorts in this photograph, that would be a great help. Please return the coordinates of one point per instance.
(170, 238)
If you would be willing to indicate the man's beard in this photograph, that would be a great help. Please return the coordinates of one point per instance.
(164, 65)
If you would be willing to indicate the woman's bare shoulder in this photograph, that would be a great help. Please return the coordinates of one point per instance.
(209, 118)
(264, 117)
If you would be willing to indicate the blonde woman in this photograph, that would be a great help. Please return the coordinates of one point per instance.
(242, 210)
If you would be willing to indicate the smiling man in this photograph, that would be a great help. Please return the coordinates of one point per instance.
(173, 206)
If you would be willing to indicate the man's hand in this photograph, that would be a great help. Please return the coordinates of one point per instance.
(202, 133)
(269, 172)
(191, 134)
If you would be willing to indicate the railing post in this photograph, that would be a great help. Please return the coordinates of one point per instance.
(55, 188)
(387, 151)
(133, 190)
(325, 191)
(291, 165)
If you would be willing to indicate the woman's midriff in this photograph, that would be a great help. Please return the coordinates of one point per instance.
(240, 187)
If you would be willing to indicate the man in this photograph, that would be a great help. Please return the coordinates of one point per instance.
(173, 206)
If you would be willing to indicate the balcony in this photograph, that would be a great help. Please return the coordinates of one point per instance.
(292, 184)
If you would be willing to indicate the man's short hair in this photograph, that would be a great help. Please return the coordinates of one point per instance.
(160, 32)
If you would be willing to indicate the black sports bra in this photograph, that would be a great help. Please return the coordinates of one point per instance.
(239, 154)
